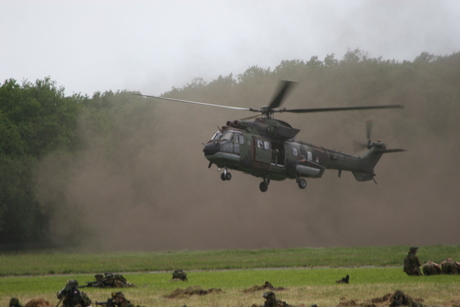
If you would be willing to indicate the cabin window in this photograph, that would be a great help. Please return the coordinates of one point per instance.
(266, 145)
(260, 144)
(309, 155)
(294, 151)
(263, 144)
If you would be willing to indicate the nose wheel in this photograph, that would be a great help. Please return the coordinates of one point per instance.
(225, 175)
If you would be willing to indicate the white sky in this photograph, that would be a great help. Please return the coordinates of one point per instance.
(152, 46)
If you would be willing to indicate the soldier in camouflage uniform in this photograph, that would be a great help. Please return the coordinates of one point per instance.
(179, 275)
(271, 301)
(412, 263)
(72, 297)
(120, 300)
(399, 298)
(116, 281)
(431, 268)
(121, 282)
(109, 280)
(14, 302)
(100, 281)
(450, 267)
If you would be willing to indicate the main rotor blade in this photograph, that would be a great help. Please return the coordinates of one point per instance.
(199, 103)
(332, 109)
(369, 125)
(283, 90)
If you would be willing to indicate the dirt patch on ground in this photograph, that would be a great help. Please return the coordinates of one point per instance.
(383, 301)
(189, 291)
(38, 302)
(266, 286)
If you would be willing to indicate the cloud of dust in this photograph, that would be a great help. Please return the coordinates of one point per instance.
(155, 192)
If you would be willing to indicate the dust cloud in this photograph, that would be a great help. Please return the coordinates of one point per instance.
(155, 192)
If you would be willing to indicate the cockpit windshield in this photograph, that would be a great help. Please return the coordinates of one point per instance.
(227, 136)
(216, 136)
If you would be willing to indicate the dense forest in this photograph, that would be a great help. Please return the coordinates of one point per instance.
(61, 155)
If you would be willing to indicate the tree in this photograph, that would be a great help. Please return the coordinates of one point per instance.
(35, 120)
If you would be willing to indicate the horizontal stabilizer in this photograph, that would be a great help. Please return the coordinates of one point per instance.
(389, 150)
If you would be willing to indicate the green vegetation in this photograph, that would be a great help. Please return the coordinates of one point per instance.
(303, 284)
(41, 134)
(58, 263)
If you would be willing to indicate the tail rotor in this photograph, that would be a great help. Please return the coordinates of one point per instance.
(359, 146)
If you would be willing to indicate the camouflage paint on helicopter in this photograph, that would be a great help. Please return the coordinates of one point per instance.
(267, 148)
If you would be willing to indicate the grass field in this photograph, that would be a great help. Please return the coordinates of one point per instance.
(308, 275)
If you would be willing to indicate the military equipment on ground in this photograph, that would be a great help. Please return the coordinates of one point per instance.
(344, 280)
(108, 280)
(93, 284)
(267, 147)
(57, 305)
(109, 303)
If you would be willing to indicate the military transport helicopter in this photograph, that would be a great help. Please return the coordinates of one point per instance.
(267, 148)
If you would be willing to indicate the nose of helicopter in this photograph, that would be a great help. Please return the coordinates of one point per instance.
(211, 148)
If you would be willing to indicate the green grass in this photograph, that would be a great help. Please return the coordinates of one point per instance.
(316, 284)
(309, 274)
(235, 279)
(81, 263)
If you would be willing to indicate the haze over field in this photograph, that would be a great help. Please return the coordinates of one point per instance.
(153, 190)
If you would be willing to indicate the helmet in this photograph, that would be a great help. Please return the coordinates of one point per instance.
(72, 283)
(118, 294)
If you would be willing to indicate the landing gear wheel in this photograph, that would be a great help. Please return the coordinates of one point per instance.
(263, 186)
(302, 183)
(225, 176)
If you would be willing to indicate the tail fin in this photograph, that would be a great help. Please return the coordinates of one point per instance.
(370, 160)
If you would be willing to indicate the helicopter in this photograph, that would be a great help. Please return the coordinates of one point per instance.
(267, 148)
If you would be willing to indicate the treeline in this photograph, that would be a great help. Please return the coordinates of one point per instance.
(39, 123)
(41, 127)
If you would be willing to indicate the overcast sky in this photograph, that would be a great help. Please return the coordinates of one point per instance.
(152, 46)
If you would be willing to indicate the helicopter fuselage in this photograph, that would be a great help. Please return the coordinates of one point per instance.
(267, 148)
